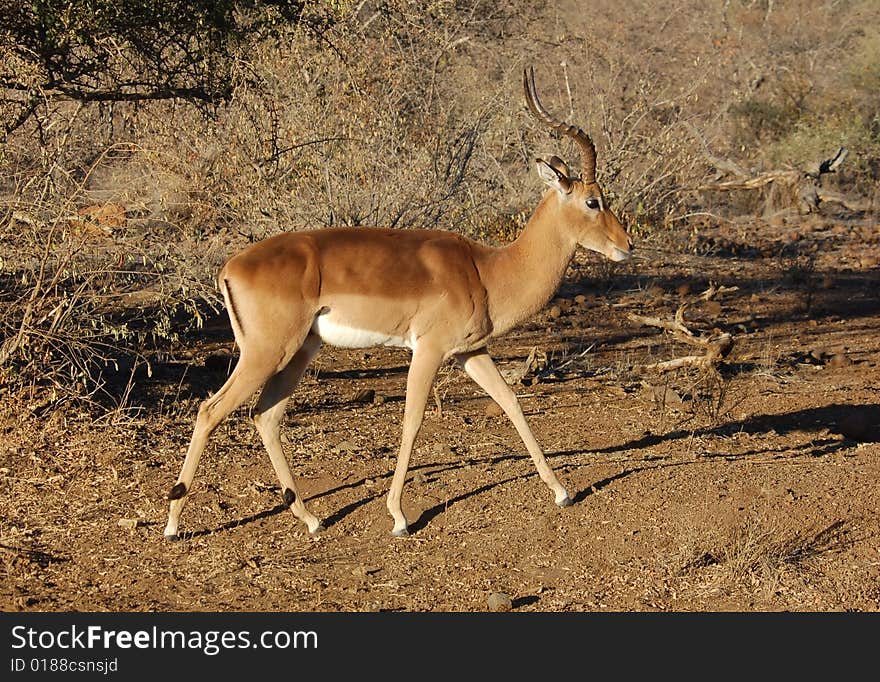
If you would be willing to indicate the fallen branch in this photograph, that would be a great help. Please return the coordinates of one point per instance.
(803, 186)
(716, 350)
(715, 347)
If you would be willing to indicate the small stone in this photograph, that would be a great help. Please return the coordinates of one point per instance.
(840, 360)
(420, 478)
(499, 602)
(379, 399)
(130, 524)
(555, 312)
(580, 299)
(683, 289)
(344, 446)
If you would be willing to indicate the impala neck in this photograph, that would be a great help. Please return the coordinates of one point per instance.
(522, 277)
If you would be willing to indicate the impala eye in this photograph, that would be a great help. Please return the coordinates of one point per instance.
(593, 203)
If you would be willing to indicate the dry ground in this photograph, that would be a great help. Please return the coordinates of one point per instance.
(758, 492)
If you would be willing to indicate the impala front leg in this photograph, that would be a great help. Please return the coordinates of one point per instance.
(422, 370)
(482, 370)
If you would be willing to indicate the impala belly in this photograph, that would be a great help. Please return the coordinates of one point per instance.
(337, 333)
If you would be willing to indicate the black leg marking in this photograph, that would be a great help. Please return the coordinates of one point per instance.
(289, 497)
(177, 491)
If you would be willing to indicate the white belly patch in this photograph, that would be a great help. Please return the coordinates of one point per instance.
(351, 337)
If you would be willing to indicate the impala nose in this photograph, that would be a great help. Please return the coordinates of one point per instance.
(617, 254)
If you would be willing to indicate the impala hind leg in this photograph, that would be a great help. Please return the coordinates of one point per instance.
(422, 370)
(483, 371)
(267, 417)
(245, 379)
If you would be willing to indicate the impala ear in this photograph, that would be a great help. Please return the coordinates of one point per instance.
(559, 165)
(555, 174)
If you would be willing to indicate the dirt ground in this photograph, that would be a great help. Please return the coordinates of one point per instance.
(755, 490)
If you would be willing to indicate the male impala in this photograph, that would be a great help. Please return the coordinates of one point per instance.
(437, 293)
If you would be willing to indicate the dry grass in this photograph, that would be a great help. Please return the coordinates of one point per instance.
(760, 553)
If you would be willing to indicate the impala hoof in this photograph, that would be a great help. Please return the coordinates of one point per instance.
(564, 502)
(402, 533)
(172, 537)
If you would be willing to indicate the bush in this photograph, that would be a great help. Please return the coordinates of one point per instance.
(127, 50)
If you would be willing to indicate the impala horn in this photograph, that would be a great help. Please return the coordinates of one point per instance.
(588, 149)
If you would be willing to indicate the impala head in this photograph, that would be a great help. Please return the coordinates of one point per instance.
(580, 198)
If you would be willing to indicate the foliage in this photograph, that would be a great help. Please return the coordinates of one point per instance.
(127, 50)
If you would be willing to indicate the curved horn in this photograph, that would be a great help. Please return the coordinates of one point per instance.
(588, 150)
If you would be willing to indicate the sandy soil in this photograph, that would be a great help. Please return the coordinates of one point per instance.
(753, 490)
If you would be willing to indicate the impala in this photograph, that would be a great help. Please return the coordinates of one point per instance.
(437, 293)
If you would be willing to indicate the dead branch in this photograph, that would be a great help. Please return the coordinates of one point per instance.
(715, 347)
(801, 185)
(756, 182)
(847, 202)
(714, 290)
